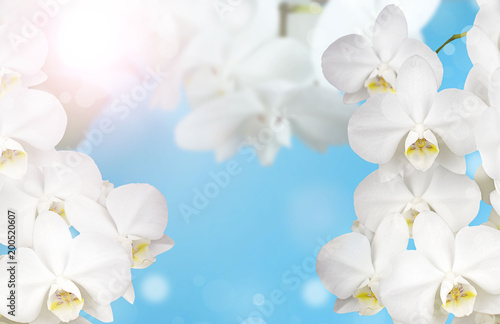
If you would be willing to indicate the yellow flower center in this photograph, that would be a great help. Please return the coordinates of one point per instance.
(367, 301)
(460, 300)
(58, 208)
(8, 81)
(10, 155)
(379, 85)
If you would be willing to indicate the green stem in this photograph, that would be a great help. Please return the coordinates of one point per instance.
(304, 9)
(454, 37)
(286, 9)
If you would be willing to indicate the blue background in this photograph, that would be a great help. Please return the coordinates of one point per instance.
(263, 230)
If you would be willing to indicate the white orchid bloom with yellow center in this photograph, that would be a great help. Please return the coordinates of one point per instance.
(361, 68)
(416, 125)
(350, 266)
(31, 122)
(454, 197)
(135, 215)
(62, 276)
(48, 188)
(447, 274)
(340, 18)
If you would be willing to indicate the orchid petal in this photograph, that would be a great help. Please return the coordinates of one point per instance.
(42, 127)
(453, 117)
(409, 286)
(138, 209)
(375, 199)
(477, 257)
(458, 205)
(51, 239)
(390, 239)
(103, 273)
(488, 141)
(416, 88)
(376, 129)
(411, 47)
(348, 62)
(435, 240)
(344, 264)
(390, 30)
(31, 290)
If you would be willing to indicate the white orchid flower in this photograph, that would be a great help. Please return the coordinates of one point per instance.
(135, 215)
(62, 276)
(361, 69)
(454, 197)
(48, 188)
(350, 266)
(340, 18)
(416, 125)
(32, 121)
(236, 91)
(483, 44)
(24, 46)
(266, 119)
(201, 28)
(445, 275)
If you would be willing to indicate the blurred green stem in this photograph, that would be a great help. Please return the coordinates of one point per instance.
(286, 9)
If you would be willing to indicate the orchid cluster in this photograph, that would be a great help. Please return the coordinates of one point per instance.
(242, 91)
(419, 136)
(241, 88)
(72, 238)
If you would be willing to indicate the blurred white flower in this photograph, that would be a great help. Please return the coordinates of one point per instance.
(454, 197)
(483, 43)
(361, 69)
(32, 121)
(229, 68)
(62, 276)
(265, 119)
(446, 274)
(24, 45)
(417, 125)
(350, 266)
